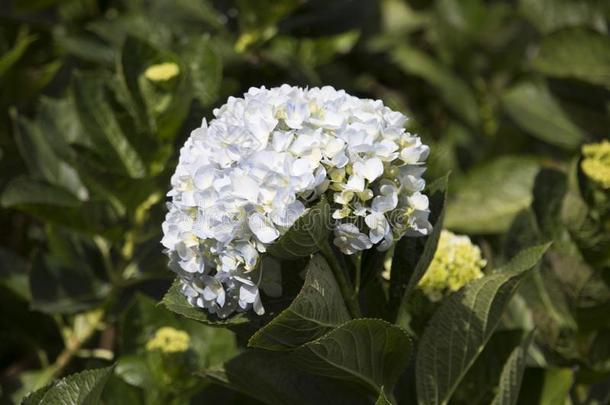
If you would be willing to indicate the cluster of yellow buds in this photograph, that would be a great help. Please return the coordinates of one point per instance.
(169, 340)
(457, 262)
(596, 162)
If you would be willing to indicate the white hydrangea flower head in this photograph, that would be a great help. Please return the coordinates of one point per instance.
(244, 179)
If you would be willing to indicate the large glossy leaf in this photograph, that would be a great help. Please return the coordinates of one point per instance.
(575, 53)
(412, 256)
(455, 92)
(84, 388)
(460, 328)
(317, 309)
(533, 107)
(370, 352)
(272, 377)
(305, 235)
(512, 374)
(489, 197)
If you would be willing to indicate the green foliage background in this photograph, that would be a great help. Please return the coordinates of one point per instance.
(504, 92)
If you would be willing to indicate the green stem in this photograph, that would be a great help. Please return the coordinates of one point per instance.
(349, 295)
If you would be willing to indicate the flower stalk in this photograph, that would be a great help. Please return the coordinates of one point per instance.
(350, 295)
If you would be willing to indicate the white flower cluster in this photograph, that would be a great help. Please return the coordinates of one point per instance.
(245, 178)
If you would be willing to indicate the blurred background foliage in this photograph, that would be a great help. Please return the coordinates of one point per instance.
(96, 97)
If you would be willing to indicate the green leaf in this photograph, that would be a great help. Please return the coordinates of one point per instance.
(575, 53)
(488, 198)
(305, 235)
(103, 127)
(383, 399)
(159, 106)
(317, 309)
(552, 15)
(455, 92)
(176, 302)
(533, 107)
(136, 56)
(22, 190)
(546, 386)
(205, 69)
(10, 58)
(412, 256)
(58, 288)
(271, 377)
(512, 374)
(82, 388)
(369, 352)
(460, 328)
(37, 150)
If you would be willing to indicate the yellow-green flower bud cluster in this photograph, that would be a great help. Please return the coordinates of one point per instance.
(596, 162)
(457, 262)
(169, 340)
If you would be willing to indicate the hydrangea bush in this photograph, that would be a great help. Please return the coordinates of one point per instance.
(264, 160)
(316, 246)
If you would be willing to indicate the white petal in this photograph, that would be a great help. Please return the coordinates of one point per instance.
(263, 228)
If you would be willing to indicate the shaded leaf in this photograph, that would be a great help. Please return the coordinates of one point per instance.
(460, 328)
(99, 120)
(452, 89)
(577, 53)
(551, 15)
(370, 352)
(489, 197)
(205, 69)
(533, 107)
(22, 190)
(58, 288)
(317, 309)
(512, 374)
(272, 377)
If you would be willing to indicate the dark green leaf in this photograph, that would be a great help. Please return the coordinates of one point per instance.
(59, 288)
(576, 53)
(456, 93)
(370, 352)
(551, 15)
(22, 191)
(534, 108)
(99, 120)
(461, 327)
(205, 69)
(512, 373)
(489, 197)
(271, 377)
(317, 309)
(83, 388)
